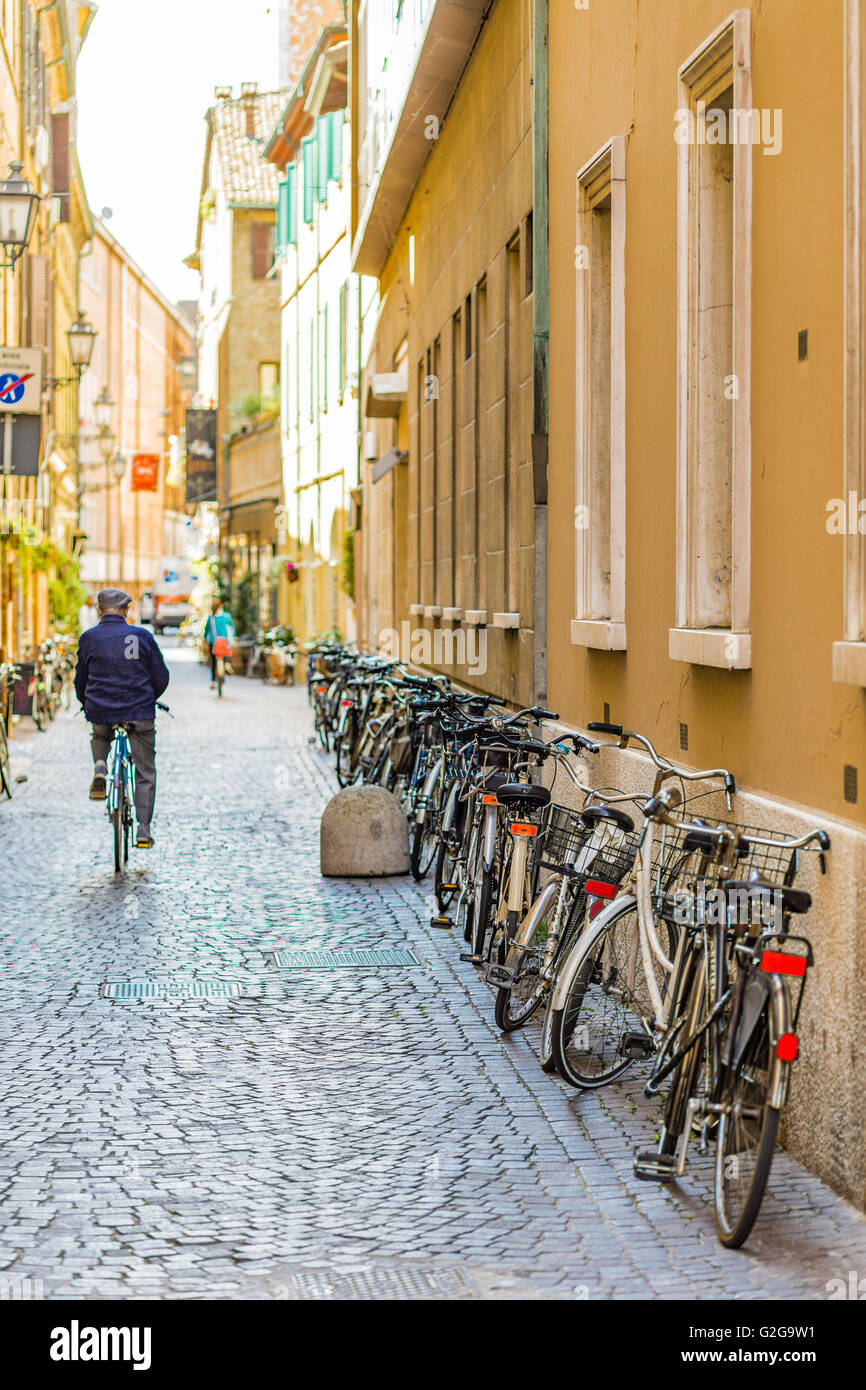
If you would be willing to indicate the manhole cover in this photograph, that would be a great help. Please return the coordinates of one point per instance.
(378, 1283)
(332, 960)
(178, 989)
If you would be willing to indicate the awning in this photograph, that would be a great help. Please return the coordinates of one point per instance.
(257, 518)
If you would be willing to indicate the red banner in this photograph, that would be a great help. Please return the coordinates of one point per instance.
(145, 472)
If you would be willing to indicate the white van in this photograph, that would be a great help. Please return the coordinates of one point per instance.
(172, 592)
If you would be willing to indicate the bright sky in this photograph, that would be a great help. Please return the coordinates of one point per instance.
(145, 79)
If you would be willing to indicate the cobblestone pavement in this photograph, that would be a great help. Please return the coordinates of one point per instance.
(348, 1132)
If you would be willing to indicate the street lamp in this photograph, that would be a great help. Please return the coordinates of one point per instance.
(103, 410)
(18, 207)
(118, 466)
(81, 336)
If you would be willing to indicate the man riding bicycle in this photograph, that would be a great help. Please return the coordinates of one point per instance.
(119, 677)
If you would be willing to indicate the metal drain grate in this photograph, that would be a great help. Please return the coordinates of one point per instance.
(379, 1283)
(333, 960)
(178, 989)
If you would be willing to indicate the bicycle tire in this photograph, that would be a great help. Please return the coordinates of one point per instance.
(446, 862)
(593, 1057)
(735, 1218)
(479, 911)
(424, 842)
(344, 745)
(513, 1011)
(117, 827)
(5, 761)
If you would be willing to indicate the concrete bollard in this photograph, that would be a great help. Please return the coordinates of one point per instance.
(364, 834)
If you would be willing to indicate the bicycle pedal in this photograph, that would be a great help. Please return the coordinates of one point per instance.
(501, 975)
(636, 1045)
(651, 1166)
(471, 959)
(446, 923)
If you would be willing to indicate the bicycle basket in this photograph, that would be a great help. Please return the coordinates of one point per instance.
(678, 863)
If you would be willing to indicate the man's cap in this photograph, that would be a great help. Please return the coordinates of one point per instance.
(113, 598)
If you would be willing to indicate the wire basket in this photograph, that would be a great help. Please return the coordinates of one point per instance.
(564, 836)
(679, 862)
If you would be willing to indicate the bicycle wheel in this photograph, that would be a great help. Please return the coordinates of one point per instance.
(117, 828)
(517, 1002)
(447, 858)
(344, 744)
(424, 843)
(607, 999)
(480, 908)
(748, 1127)
(5, 761)
(127, 831)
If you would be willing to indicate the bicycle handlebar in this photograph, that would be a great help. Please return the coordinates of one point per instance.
(664, 764)
(659, 808)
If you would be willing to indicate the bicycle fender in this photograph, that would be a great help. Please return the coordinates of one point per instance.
(757, 991)
(488, 843)
(585, 943)
(526, 929)
(450, 807)
(426, 793)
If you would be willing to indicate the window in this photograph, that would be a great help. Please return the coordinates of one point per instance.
(599, 518)
(849, 655)
(269, 384)
(263, 248)
(713, 351)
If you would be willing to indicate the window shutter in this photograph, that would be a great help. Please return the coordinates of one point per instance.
(292, 205)
(336, 145)
(60, 161)
(323, 142)
(283, 217)
(261, 236)
(308, 147)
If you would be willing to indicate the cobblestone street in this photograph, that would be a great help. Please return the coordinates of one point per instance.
(352, 1132)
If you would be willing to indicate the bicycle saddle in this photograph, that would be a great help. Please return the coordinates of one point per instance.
(794, 900)
(593, 814)
(511, 792)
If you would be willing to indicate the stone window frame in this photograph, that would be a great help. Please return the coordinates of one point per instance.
(602, 176)
(722, 60)
(849, 655)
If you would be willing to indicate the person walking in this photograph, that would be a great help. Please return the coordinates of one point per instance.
(118, 679)
(218, 630)
(87, 615)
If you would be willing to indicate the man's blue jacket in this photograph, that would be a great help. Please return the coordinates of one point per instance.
(120, 673)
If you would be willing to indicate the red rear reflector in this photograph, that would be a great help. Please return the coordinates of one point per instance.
(787, 1047)
(599, 889)
(783, 963)
(347, 702)
(518, 828)
(490, 800)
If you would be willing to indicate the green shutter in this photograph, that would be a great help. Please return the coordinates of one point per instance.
(292, 205)
(283, 217)
(335, 163)
(323, 124)
(308, 147)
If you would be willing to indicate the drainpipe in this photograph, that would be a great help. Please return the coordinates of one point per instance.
(540, 334)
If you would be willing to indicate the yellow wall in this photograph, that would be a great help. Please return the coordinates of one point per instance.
(784, 726)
